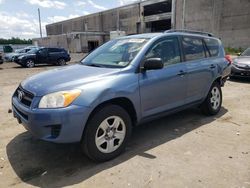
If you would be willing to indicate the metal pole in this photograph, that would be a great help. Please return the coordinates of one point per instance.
(40, 26)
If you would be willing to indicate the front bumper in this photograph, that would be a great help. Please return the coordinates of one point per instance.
(7, 59)
(241, 72)
(19, 61)
(63, 125)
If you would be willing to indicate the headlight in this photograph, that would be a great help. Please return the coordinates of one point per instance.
(59, 99)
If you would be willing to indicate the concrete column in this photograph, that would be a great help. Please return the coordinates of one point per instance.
(173, 20)
(217, 11)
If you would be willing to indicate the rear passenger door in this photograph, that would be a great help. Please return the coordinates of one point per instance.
(200, 69)
(54, 54)
(163, 89)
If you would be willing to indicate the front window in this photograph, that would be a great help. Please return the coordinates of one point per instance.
(168, 50)
(116, 53)
(246, 52)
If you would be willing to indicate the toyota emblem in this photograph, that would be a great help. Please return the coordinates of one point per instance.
(20, 95)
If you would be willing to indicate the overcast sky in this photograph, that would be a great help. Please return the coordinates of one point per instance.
(19, 18)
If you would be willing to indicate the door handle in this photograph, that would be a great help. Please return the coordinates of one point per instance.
(181, 73)
(212, 66)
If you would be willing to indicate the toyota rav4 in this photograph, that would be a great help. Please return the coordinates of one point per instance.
(123, 83)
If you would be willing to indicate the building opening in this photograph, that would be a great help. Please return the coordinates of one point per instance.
(158, 26)
(158, 8)
(92, 45)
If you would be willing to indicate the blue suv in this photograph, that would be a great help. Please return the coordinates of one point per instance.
(123, 83)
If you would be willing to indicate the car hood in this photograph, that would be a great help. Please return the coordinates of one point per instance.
(11, 54)
(18, 54)
(243, 60)
(66, 78)
(25, 55)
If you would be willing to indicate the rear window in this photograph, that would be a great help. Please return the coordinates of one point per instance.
(213, 46)
(193, 48)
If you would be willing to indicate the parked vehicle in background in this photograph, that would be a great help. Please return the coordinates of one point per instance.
(1, 59)
(9, 57)
(58, 56)
(7, 49)
(123, 83)
(241, 65)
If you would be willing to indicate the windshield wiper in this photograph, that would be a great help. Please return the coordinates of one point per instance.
(93, 65)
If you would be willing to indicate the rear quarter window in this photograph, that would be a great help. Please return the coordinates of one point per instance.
(213, 46)
(193, 48)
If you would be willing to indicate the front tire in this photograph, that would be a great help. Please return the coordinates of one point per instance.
(107, 133)
(30, 63)
(212, 104)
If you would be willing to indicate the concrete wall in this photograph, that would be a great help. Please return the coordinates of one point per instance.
(235, 23)
(227, 19)
(75, 43)
(103, 22)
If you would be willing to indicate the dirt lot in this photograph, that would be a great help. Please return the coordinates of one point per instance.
(183, 150)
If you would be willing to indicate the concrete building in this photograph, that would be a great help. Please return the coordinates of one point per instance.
(227, 19)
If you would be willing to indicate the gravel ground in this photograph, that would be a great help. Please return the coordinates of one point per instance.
(186, 149)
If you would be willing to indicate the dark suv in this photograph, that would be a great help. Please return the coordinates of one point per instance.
(58, 56)
(1, 60)
(125, 82)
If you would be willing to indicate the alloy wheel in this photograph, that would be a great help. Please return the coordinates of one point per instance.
(30, 63)
(215, 98)
(110, 134)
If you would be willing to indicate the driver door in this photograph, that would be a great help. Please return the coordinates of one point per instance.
(164, 89)
(42, 56)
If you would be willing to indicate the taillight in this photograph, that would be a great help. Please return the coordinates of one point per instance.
(229, 59)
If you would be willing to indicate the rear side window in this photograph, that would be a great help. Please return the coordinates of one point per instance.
(213, 46)
(52, 50)
(193, 48)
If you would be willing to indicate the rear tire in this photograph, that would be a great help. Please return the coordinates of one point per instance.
(212, 104)
(61, 62)
(106, 133)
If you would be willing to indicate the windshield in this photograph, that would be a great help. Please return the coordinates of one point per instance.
(246, 52)
(115, 53)
(19, 51)
(33, 51)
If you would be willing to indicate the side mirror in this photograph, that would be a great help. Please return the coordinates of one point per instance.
(153, 64)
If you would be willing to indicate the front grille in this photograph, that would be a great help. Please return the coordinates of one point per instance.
(24, 96)
(21, 114)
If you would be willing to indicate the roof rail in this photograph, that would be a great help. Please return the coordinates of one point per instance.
(189, 31)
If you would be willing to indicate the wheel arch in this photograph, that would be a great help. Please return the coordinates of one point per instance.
(219, 80)
(61, 58)
(123, 102)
